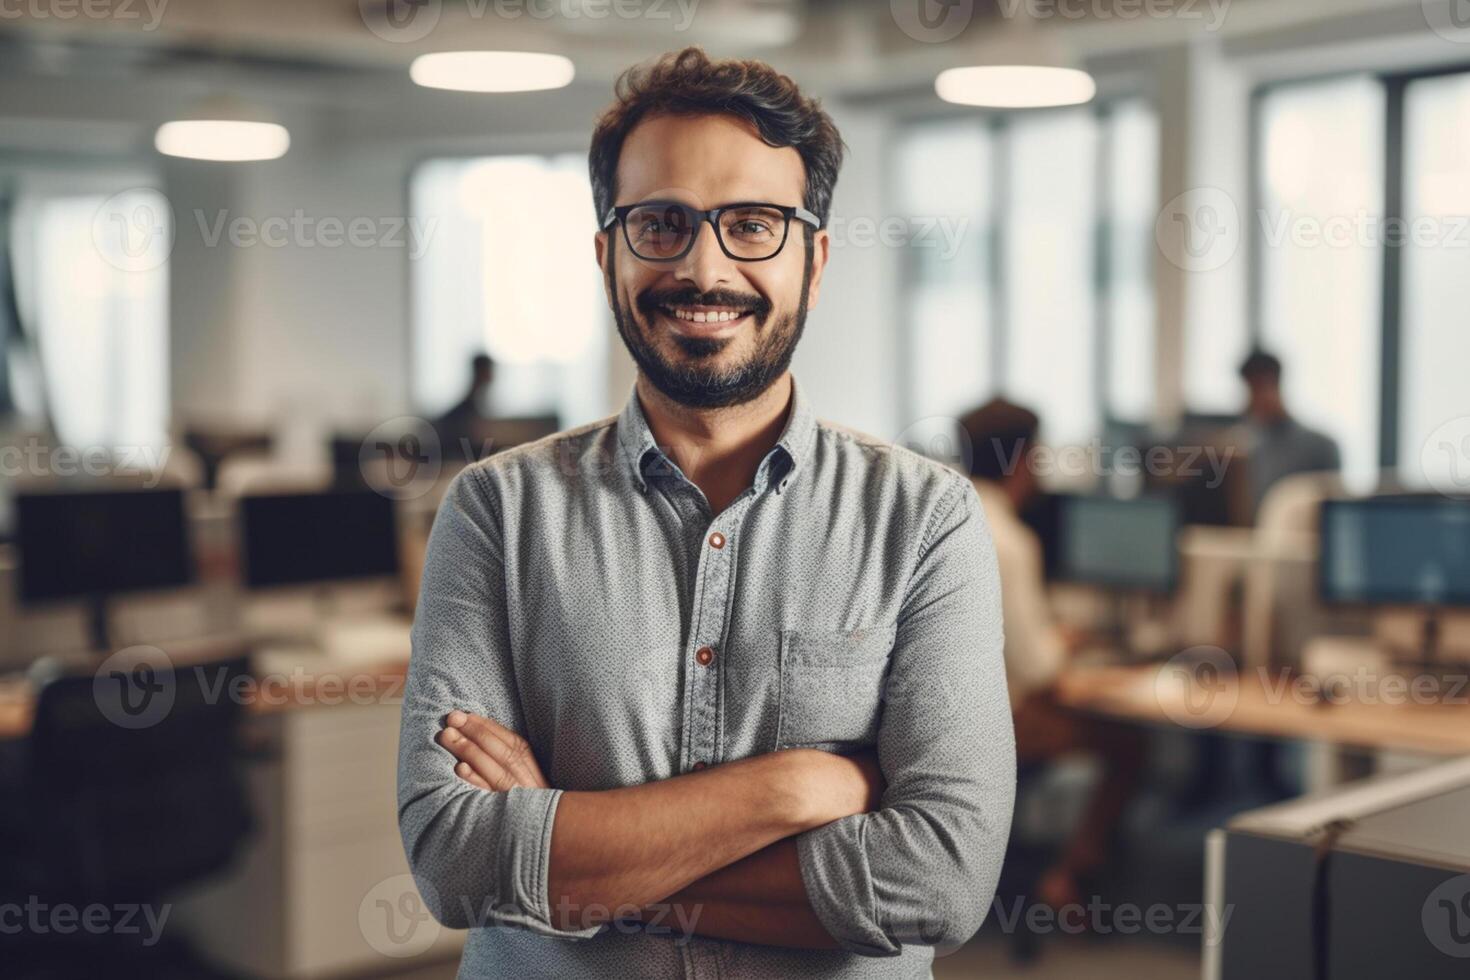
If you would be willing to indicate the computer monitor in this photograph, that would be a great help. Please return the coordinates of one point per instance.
(1127, 545)
(301, 538)
(83, 543)
(92, 544)
(1395, 551)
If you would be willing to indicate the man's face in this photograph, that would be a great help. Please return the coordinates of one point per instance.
(706, 162)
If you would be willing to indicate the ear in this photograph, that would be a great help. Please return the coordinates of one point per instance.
(821, 246)
(600, 247)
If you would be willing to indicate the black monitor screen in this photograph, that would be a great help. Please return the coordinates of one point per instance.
(291, 539)
(1396, 551)
(1125, 544)
(79, 544)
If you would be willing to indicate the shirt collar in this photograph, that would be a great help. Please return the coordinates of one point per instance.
(645, 458)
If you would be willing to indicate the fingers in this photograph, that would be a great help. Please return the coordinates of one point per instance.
(510, 750)
(463, 771)
(492, 774)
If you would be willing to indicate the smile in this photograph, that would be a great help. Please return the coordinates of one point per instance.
(704, 314)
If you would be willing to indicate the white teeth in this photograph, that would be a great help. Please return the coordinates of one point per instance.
(702, 317)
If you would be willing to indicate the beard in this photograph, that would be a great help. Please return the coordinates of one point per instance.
(695, 381)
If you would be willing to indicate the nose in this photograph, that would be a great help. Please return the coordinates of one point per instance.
(706, 266)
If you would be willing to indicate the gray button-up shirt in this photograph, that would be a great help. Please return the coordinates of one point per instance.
(848, 598)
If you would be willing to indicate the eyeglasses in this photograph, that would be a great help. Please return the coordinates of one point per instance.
(663, 231)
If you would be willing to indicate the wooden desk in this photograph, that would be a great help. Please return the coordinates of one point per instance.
(1269, 705)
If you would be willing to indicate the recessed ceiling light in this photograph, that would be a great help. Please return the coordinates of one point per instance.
(492, 71)
(222, 139)
(1015, 86)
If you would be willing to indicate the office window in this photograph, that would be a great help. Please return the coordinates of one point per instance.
(510, 271)
(1321, 257)
(1130, 131)
(100, 317)
(1049, 262)
(946, 176)
(1433, 389)
(1021, 309)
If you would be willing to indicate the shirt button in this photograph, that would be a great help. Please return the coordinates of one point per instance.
(698, 766)
(705, 656)
(717, 540)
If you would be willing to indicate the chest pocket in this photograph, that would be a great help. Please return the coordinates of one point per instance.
(832, 686)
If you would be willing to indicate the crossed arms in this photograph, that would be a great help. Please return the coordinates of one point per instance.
(719, 841)
(795, 848)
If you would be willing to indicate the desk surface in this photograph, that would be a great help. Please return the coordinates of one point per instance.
(321, 685)
(1248, 704)
(1268, 705)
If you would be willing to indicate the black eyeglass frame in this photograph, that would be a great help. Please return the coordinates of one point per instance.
(712, 216)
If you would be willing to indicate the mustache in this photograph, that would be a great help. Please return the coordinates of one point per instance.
(652, 300)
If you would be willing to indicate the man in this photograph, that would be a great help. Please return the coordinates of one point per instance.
(1277, 445)
(1002, 438)
(710, 666)
(461, 430)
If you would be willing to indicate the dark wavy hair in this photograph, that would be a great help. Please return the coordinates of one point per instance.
(689, 83)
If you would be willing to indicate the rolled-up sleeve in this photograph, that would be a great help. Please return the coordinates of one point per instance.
(923, 868)
(479, 858)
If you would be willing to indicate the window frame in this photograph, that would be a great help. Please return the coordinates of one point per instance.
(1396, 85)
(996, 125)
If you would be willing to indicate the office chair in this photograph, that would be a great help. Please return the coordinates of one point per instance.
(121, 815)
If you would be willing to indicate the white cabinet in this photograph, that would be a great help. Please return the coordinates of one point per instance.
(322, 887)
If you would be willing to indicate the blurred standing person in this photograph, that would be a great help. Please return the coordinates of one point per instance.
(1276, 444)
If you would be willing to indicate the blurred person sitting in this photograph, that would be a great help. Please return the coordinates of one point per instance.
(1002, 438)
(1277, 445)
(463, 429)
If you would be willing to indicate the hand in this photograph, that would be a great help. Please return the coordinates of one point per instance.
(490, 755)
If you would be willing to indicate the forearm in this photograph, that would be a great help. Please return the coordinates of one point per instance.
(638, 845)
(758, 899)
